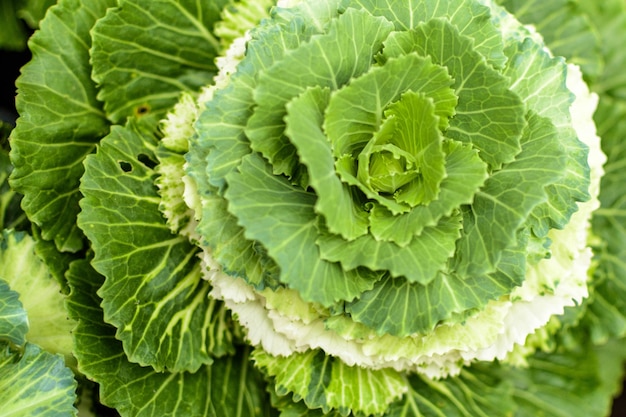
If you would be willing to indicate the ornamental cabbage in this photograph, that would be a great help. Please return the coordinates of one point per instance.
(394, 172)
(329, 207)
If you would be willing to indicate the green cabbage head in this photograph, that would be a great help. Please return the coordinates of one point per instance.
(387, 186)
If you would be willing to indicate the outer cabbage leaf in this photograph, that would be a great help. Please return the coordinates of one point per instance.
(565, 27)
(13, 35)
(606, 313)
(472, 393)
(475, 392)
(290, 408)
(154, 292)
(146, 52)
(35, 382)
(571, 378)
(228, 387)
(609, 20)
(60, 120)
(32, 380)
(235, 21)
(32, 11)
(63, 47)
(56, 262)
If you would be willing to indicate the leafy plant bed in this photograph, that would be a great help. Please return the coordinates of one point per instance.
(315, 208)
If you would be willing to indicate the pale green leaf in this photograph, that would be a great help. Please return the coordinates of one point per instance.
(565, 28)
(282, 218)
(420, 261)
(221, 141)
(40, 294)
(417, 133)
(487, 111)
(290, 408)
(471, 17)
(508, 197)
(236, 19)
(355, 113)
(539, 80)
(236, 254)
(314, 14)
(327, 60)
(335, 200)
(399, 307)
(347, 168)
(327, 383)
(465, 173)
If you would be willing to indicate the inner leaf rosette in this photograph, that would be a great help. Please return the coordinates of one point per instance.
(384, 182)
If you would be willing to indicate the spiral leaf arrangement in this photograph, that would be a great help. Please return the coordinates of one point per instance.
(394, 168)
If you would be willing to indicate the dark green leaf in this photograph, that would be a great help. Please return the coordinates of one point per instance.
(228, 387)
(60, 120)
(145, 52)
(154, 292)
